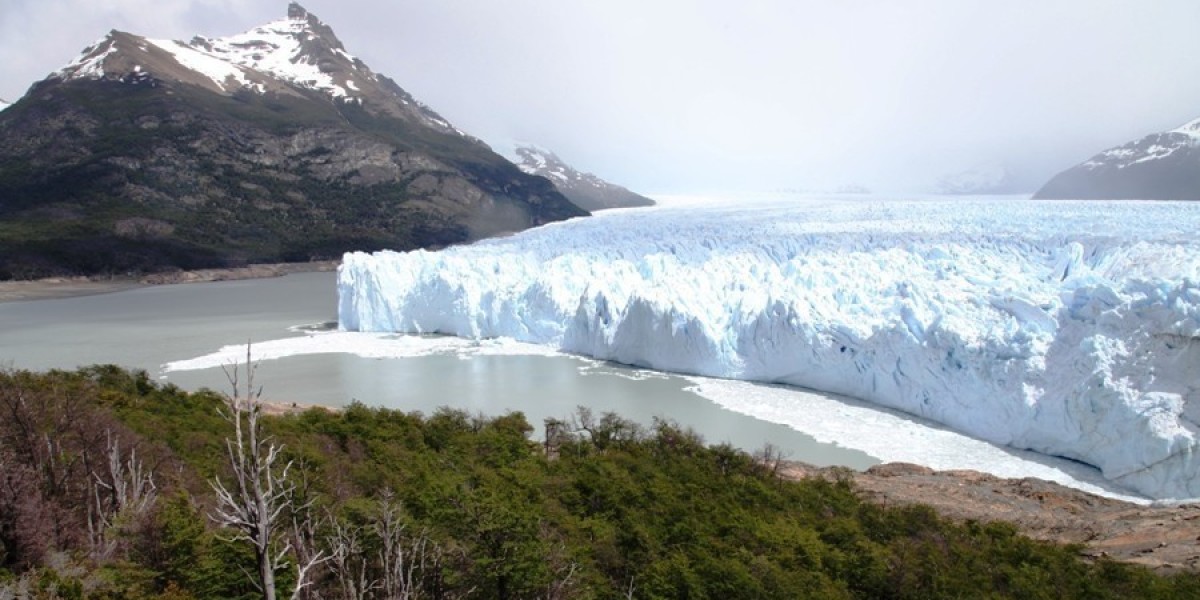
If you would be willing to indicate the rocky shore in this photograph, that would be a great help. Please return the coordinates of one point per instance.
(1164, 538)
(66, 287)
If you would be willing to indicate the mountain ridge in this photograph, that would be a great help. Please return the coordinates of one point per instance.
(271, 145)
(585, 190)
(1158, 166)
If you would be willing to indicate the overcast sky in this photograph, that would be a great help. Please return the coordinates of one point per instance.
(706, 95)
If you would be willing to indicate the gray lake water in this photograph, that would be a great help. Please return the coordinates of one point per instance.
(147, 327)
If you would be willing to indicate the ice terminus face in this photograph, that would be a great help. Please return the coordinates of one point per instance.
(1004, 321)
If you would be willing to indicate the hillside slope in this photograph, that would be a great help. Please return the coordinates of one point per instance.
(585, 190)
(1160, 166)
(271, 145)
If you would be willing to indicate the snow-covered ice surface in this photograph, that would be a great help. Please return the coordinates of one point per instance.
(1067, 328)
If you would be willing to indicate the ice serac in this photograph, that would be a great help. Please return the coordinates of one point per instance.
(999, 320)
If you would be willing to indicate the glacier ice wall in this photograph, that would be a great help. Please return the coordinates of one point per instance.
(1068, 328)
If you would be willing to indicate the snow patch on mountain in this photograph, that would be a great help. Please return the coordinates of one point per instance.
(299, 52)
(4, 104)
(224, 74)
(982, 179)
(278, 48)
(1153, 147)
(536, 160)
(1000, 320)
(90, 63)
(585, 190)
(1191, 128)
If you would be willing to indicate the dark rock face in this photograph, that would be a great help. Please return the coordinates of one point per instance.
(130, 161)
(585, 190)
(1161, 166)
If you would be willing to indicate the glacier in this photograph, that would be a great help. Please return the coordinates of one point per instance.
(1067, 328)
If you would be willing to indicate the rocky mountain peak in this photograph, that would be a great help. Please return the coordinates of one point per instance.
(586, 190)
(1191, 128)
(293, 56)
(289, 48)
(297, 12)
(272, 144)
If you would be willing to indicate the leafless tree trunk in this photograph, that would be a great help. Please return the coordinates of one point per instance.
(124, 490)
(770, 457)
(401, 558)
(562, 585)
(348, 561)
(261, 497)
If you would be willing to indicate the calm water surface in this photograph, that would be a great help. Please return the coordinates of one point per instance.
(147, 327)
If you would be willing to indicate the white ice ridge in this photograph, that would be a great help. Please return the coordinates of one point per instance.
(1067, 328)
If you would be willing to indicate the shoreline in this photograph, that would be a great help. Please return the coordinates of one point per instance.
(1165, 539)
(52, 288)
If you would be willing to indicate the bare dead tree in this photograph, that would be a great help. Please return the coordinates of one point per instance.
(609, 430)
(261, 498)
(348, 561)
(123, 490)
(305, 540)
(51, 428)
(557, 433)
(402, 559)
(411, 565)
(26, 520)
(562, 585)
(770, 458)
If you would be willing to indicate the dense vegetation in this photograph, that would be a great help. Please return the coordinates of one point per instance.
(106, 492)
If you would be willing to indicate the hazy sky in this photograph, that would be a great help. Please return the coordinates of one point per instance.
(701, 95)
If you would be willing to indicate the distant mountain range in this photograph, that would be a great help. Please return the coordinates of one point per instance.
(271, 145)
(983, 179)
(585, 190)
(1160, 166)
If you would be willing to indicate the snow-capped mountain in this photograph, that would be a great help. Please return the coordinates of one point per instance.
(1160, 166)
(285, 57)
(275, 144)
(585, 190)
(4, 104)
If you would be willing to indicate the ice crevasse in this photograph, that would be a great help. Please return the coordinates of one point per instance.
(1006, 324)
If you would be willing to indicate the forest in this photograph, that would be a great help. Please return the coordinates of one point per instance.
(114, 486)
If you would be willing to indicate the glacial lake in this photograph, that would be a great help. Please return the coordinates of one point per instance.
(290, 324)
(147, 327)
